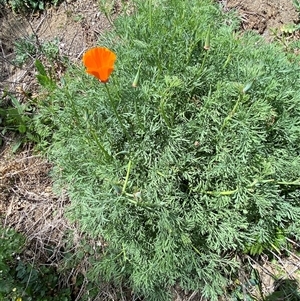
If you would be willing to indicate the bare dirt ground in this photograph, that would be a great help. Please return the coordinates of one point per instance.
(74, 26)
(27, 200)
(264, 16)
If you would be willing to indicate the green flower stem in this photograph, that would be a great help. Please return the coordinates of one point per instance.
(227, 61)
(99, 143)
(112, 105)
(203, 62)
(296, 183)
(150, 15)
(221, 193)
(163, 112)
(127, 177)
(232, 112)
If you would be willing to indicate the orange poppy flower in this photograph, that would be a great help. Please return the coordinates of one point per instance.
(99, 62)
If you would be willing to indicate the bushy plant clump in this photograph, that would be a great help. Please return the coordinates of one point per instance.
(196, 164)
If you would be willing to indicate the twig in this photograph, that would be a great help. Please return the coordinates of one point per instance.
(293, 242)
(263, 268)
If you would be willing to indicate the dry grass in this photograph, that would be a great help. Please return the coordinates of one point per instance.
(28, 203)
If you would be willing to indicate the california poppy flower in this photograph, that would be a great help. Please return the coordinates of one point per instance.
(99, 62)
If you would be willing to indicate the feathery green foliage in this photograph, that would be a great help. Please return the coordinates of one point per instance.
(198, 163)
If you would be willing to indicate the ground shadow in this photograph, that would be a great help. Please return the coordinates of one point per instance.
(285, 290)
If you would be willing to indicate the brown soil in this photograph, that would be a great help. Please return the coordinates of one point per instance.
(75, 26)
(27, 201)
(264, 16)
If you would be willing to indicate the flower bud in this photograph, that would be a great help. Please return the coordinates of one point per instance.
(137, 76)
(207, 40)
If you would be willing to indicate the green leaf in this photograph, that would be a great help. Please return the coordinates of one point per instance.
(43, 80)
(41, 5)
(40, 68)
(16, 145)
(22, 128)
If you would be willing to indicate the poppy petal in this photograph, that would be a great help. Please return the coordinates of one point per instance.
(99, 62)
(93, 72)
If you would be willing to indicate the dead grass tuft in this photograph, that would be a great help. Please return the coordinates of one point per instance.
(28, 204)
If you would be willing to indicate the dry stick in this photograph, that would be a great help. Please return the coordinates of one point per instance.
(40, 29)
(17, 80)
(293, 255)
(297, 266)
(193, 295)
(282, 264)
(244, 288)
(6, 58)
(260, 288)
(121, 292)
(49, 208)
(71, 274)
(263, 268)
(83, 286)
(9, 210)
(81, 53)
(293, 242)
(2, 50)
(30, 157)
(40, 24)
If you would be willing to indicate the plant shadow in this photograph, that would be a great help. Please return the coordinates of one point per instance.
(285, 290)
